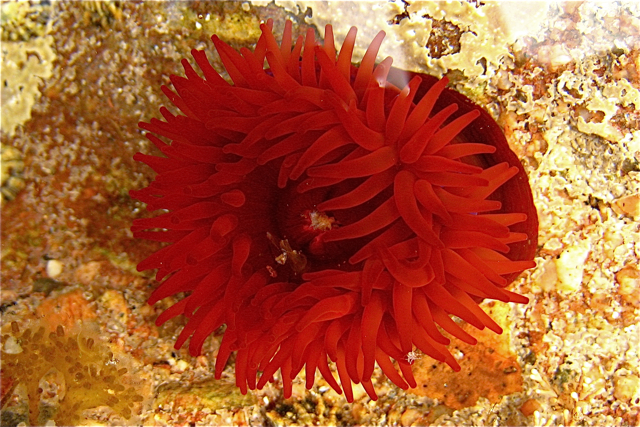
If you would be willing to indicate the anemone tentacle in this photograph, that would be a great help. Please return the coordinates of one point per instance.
(323, 214)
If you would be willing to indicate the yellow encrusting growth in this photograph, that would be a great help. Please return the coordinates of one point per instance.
(63, 374)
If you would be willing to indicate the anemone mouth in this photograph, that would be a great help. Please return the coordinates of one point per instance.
(323, 213)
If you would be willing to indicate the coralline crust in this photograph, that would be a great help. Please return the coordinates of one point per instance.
(24, 66)
(412, 26)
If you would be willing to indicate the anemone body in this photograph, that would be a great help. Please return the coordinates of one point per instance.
(326, 212)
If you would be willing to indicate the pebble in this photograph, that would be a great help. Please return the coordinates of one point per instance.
(529, 407)
(559, 57)
(626, 387)
(628, 205)
(409, 417)
(54, 268)
(570, 266)
(628, 279)
(549, 277)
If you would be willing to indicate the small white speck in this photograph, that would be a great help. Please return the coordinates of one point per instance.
(411, 357)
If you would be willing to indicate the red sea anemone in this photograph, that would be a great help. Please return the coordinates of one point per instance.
(329, 212)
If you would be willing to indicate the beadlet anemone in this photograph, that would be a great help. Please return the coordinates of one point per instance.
(326, 212)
